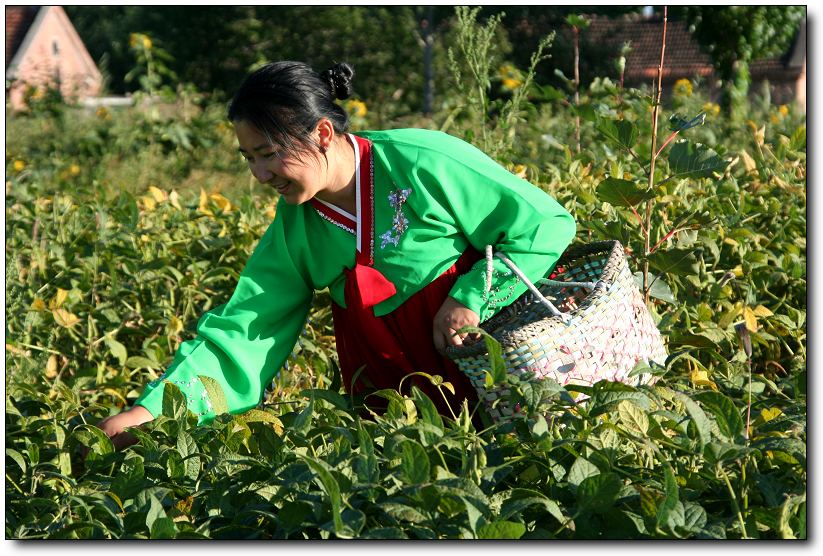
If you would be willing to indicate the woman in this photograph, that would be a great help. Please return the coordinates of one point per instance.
(391, 222)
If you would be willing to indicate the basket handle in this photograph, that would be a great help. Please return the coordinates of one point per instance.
(566, 318)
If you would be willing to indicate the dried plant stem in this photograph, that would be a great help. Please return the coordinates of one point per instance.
(577, 85)
(655, 115)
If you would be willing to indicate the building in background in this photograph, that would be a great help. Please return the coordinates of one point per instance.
(785, 74)
(43, 50)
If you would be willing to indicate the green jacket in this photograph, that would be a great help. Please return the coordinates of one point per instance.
(453, 197)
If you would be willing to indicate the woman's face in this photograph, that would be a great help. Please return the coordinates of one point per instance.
(296, 179)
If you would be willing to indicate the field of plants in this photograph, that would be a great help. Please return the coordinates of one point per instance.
(123, 226)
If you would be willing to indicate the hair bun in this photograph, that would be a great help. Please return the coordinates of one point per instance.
(339, 78)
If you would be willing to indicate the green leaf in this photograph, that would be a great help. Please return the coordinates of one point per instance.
(138, 362)
(155, 511)
(384, 533)
(330, 396)
(603, 401)
(330, 485)
(118, 350)
(790, 446)
(518, 499)
(676, 260)
(633, 418)
(292, 514)
(798, 139)
(414, 462)
(18, 458)
(578, 21)
(670, 511)
(163, 528)
(623, 193)
(694, 160)
(580, 470)
(427, 410)
(688, 339)
(501, 530)
(622, 132)
(93, 438)
(726, 414)
(659, 288)
(365, 464)
(598, 493)
(214, 391)
(695, 517)
(302, 422)
(187, 448)
(698, 417)
(174, 401)
(402, 512)
(719, 452)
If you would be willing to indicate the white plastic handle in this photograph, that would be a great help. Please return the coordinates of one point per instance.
(566, 318)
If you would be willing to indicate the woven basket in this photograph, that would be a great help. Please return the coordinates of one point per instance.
(579, 333)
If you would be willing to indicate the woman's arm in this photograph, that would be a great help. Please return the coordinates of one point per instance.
(241, 345)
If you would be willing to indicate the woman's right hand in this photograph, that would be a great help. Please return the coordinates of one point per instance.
(114, 426)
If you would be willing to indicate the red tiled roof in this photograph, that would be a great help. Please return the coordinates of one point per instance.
(683, 57)
(18, 21)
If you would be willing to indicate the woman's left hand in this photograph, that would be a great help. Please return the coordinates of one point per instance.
(451, 317)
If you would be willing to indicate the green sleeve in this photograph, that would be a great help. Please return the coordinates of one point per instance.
(244, 343)
(494, 207)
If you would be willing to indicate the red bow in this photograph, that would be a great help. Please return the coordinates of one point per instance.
(366, 287)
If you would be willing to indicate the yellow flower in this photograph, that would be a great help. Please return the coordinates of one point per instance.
(103, 113)
(139, 39)
(775, 119)
(519, 170)
(356, 108)
(683, 87)
(19, 165)
(74, 169)
(711, 109)
(510, 77)
(784, 110)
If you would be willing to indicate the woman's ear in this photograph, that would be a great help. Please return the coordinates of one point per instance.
(324, 133)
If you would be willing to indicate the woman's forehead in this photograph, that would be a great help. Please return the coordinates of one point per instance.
(250, 137)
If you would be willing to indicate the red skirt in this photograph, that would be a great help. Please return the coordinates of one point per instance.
(399, 343)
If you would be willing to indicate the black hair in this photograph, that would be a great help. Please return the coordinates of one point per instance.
(285, 100)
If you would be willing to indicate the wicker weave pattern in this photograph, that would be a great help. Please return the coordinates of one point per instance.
(610, 331)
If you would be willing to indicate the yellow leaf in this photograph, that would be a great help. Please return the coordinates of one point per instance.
(38, 304)
(770, 413)
(65, 318)
(750, 319)
(748, 162)
(203, 205)
(760, 135)
(158, 194)
(59, 298)
(730, 241)
(762, 311)
(175, 325)
(51, 366)
(174, 199)
(148, 202)
(738, 271)
(221, 202)
(700, 377)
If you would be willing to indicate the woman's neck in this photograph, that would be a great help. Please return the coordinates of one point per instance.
(342, 179)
